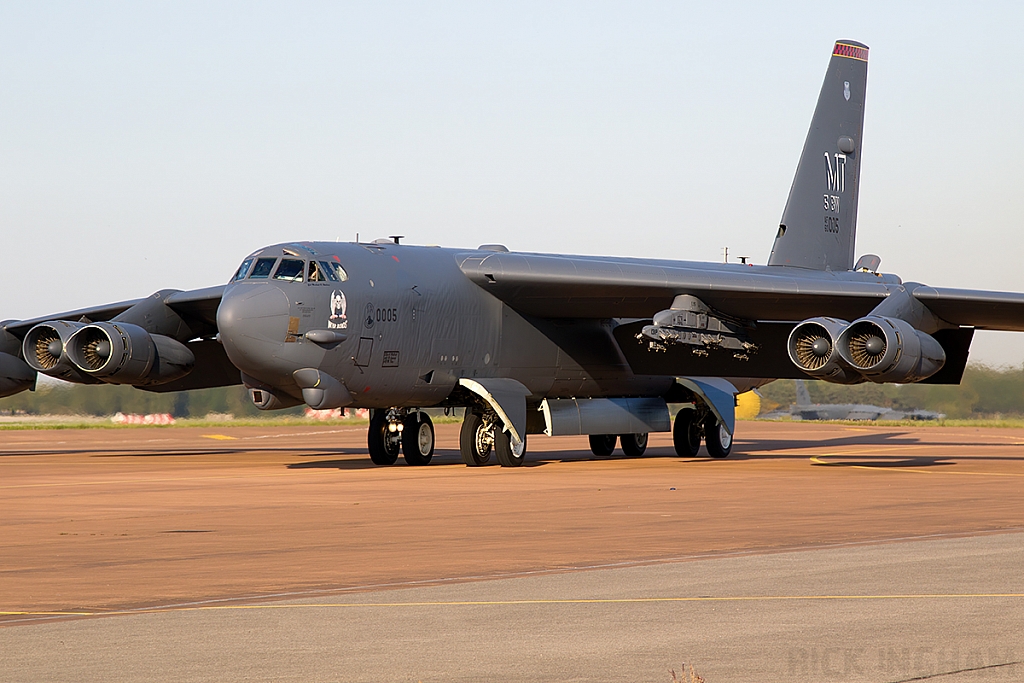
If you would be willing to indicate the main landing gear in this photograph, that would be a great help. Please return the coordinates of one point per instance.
(689, 428)
(482, 433)
(633, 445)
(392, 431)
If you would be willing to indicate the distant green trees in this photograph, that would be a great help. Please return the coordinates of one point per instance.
(984, 392)
(107, 399)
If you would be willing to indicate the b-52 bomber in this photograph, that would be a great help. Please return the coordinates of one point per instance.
(533, 343)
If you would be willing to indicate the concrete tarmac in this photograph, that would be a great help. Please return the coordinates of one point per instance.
(817, 552)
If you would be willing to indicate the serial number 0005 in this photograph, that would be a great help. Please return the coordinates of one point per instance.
(386, 315)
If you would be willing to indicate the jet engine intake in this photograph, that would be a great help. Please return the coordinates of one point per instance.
(44, 349)
(890, 350)
(812, 348)
(122, 353)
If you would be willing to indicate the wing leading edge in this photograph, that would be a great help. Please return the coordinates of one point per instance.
(553, 286)
(592, 287)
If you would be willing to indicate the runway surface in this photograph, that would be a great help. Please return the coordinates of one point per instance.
(816, 552)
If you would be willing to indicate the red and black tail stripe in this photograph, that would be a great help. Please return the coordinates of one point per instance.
(850, 51)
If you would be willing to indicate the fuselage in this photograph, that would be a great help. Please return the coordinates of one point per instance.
(399, 325)
(412, 325)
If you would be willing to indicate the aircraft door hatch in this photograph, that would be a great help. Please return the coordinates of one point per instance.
(362, 358)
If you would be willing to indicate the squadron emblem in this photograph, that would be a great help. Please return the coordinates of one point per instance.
(338, 321)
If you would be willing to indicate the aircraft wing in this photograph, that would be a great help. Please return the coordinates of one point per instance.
(975, 308)
(592, 287)
(554, 286)
(198, 306)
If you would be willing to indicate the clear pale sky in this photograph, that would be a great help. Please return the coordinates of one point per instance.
(152, 145)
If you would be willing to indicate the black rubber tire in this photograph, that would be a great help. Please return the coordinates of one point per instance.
(602, 444)
(717, 440)
(686, 433)
(503, 449)
(633, 445)
(469, 440)
(384, 446)
(417, 439)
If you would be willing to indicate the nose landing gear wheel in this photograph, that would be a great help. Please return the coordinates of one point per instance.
(633, 445)
(602, 444)
(686, 433)
(418, 439)
(717, 439)
(506, 452)
(383, 444)
(475, 439)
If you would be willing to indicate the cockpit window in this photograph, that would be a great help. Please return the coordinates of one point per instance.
(290, 270)
(242, 269)
(334, 271)
(316, 273)
(262, 269)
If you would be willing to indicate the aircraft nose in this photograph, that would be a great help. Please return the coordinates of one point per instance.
(253, 322)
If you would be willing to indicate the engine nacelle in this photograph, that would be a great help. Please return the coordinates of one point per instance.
(812, 348)
(890, 350)
(15, 375)
(45, 350)
(122, 353)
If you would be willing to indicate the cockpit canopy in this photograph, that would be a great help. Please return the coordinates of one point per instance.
(290, 270)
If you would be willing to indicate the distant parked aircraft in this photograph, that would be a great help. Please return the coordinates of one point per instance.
(803, 409)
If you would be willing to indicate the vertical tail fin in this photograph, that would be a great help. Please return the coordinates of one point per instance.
(819, 223)
(803, 397)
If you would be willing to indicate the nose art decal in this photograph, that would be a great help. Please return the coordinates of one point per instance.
(339, 305)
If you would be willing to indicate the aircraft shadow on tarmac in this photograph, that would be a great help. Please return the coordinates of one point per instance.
(884, 461)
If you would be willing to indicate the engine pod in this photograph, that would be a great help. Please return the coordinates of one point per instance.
(890, 350)
(122, 353)
(812, 348)
(45, 350)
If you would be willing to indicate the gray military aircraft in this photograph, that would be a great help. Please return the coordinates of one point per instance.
(541, 343)
(804, 409)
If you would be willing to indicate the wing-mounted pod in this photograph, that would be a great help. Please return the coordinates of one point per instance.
(45, 350)
(890, 350)
(690, 321)
(813, 348)
(123, 353)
